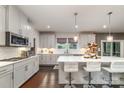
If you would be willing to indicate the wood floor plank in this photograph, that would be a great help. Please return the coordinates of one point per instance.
(47, 77)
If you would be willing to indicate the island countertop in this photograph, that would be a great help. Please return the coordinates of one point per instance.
(82, 59)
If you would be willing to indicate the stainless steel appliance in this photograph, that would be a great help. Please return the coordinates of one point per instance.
(13, 39)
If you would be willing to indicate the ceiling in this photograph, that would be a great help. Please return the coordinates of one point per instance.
(61, 17)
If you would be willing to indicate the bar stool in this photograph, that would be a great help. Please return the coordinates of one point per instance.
(92, 67)
(115, 67)
(70, 67)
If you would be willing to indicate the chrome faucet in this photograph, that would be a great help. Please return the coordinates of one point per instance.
(67, 51)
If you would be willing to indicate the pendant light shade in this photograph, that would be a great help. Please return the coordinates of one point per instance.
(109, 37)
(75, 27)
(75, 38)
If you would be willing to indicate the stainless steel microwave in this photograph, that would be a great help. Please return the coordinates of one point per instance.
(13, 39)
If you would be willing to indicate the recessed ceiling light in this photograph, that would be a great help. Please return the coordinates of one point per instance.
(104, 26)
(48, 26)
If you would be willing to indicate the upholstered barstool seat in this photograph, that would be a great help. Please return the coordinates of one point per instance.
(92, 67)
(70, 67)
(115, 67)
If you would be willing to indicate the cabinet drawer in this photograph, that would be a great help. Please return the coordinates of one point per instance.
(6, 69)
(21, 63)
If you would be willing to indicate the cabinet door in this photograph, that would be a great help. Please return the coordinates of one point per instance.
(41, 41)
(47, 40)
(6, 80)
(52, 59)
(2, 25)
(36, 64)
(2, 18)
(13, 19)
(19, 76)
(29, 69)
(42, 59)
(51, 41)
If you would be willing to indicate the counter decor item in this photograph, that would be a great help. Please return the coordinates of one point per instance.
(91, 51)
(51, 50)
(47, 50)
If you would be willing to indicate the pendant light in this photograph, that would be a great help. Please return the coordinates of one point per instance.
(109, 37)
(76, 27)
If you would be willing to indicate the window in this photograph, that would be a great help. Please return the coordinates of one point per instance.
(66, 43)
(72, 44)
(62, 43)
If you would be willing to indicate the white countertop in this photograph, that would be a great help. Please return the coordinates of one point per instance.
(5, 63)
(82, 59)
(2, 64)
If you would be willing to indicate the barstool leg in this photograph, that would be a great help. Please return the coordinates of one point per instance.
(70, 84)
(70, 79)
(110, 79)
(89, 78)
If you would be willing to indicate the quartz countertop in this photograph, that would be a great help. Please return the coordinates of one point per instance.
(2, 64)
(82, 59)
(5, 63)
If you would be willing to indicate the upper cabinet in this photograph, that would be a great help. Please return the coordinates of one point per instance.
(13, 20)
(47, 40)
(16, 21)
(85, 38)
(2, 25)
(2, 18)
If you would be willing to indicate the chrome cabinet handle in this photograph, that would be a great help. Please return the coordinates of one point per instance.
(26, 68)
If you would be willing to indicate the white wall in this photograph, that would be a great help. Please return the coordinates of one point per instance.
(6, 52)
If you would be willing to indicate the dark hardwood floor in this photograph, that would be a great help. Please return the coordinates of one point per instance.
(47, 77)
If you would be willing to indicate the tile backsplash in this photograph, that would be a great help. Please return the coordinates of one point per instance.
(9, 52)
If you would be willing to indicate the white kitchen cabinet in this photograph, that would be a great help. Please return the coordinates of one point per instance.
(29, 69)
(36, 64)
(6, 77)
(19, 76)
(25, 69)
(31, 36)
(48, 59)
(47, 40)
(13, 19)
(2, 18)
(86, 38)
(2, 25)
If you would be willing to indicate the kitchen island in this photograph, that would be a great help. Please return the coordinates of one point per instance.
(81, 77)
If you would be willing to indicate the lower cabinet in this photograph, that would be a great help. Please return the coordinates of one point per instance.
(48, 59)
(24, 70)
(19, 76)
(6, 77)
